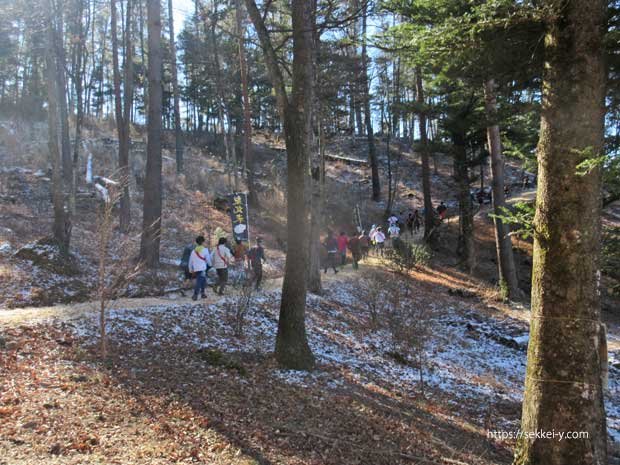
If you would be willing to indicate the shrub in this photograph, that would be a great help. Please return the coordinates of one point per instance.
(404, 257)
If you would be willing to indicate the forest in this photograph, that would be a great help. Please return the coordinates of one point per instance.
(315, 232)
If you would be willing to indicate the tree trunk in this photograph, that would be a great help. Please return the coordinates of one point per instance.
(125, 200)
(122, 115)
(78, 76)
(222, 109)
(429, 217)
(465, 247)
(503, 243)
(292, 349)
(151, 221)
(563, 389)
(372, 152)
(316, 180)
(61, 82)
(178, 134)
(248, 156)
(61, 228)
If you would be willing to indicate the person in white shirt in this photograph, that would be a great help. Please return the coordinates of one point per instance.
(392, 220)
(199, 262)
(379, 240)
(394, 231)
(221, 258)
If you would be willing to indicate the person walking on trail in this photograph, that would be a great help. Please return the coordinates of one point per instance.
(393, 219)
(199, 263)
(240, 252)
(417, 221)
(371, 235)
(364, 244)
(379, 240)
(394, 233)
(409, 223)
(256, 256)
(221, 257)
(441, 211)
(331, 244)
(355, 247)
(343, 242)
(184, 267)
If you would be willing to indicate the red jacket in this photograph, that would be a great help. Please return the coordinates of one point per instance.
(343, 241)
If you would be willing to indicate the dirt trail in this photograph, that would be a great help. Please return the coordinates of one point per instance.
(67, 312)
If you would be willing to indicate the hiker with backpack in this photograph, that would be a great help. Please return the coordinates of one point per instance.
(364, 244)
(221, 257)
(256, 257)
(240, 252)
(198, 264)
(356, 250)
(186, 275)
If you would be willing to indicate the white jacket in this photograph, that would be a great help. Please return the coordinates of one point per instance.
(221, 257)
(198, 260)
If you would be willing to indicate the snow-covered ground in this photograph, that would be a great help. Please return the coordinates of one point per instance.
(476, 361)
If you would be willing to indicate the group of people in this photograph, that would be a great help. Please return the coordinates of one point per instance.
(337, 247)
(198, 260)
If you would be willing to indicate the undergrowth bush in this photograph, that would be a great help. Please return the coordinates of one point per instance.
(404, 257)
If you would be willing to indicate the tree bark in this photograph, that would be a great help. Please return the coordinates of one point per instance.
(122, 109)
(78, 78)
(316, 178)
(429, 217)
(125, 200)
(563, 389)
(248, 156)
(372, 151)
(503, 243)
(151, 221)
(178, 134)
(292, 349)
(61, 228)
(222, 108)
(61, 82)
(465, 247)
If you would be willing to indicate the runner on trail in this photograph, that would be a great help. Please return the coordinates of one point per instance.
(221, 257)
(256, 256)
(364, 244)
(441, 210)
(356, 250)
(343, 242)
(199, 263)
(331, 244)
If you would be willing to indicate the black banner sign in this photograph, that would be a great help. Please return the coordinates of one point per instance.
(238, 204)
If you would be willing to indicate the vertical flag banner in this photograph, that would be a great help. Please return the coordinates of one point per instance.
(238, 204)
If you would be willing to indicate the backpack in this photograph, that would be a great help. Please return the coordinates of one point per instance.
(187, 251)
